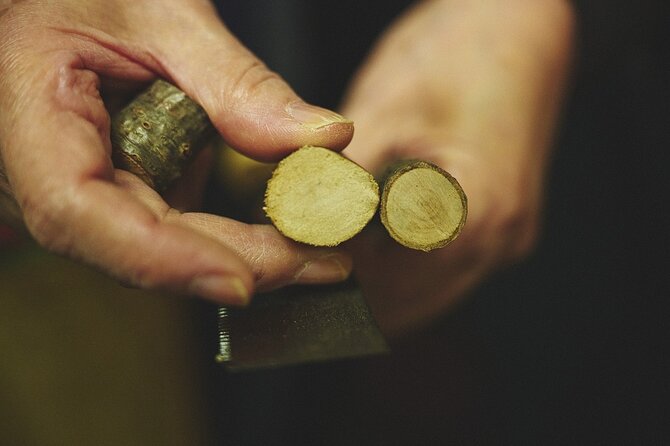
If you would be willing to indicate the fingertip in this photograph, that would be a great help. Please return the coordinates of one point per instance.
(331, 268)
(335, 136)
(321, 126)
(314, 117)
(231, 290)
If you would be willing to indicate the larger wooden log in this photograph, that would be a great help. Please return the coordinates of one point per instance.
(317, 196)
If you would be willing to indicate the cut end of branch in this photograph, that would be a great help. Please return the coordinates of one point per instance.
(422, 207)
(317, 196)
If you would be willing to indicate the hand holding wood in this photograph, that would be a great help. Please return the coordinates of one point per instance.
(68, 59)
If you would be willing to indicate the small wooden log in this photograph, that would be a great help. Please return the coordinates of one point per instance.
(422, 206)
(158, 134)
(317, 196)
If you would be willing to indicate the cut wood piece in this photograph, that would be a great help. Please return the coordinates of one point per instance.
(157, 135)
(317, 196)
(422, 206)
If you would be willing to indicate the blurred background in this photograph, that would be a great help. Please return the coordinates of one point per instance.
(568, 347)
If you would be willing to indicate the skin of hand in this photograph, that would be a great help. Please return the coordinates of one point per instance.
(474, 87)
(55, 59)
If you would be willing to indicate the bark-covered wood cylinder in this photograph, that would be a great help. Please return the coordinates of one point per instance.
(422, 206)
(157, 135)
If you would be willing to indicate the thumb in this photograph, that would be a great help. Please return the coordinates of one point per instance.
(252, 107)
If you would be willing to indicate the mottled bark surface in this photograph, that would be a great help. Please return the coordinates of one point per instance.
(158, 133)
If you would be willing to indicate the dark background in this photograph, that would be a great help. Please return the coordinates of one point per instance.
(568, 347)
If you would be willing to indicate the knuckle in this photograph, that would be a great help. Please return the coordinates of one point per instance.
(251, 75)
(269, 258)
(45, 217)
(141, 275)
(258, 246)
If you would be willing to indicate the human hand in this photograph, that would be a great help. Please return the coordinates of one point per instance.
(55, 164)
(474, 87)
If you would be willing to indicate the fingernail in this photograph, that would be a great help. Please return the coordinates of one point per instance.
(216, 287)
(331, 268)
(314, 117)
